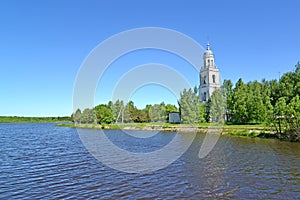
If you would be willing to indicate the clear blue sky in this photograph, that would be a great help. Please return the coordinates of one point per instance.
(43, 43)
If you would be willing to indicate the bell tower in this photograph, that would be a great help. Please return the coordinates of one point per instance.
(209, 75)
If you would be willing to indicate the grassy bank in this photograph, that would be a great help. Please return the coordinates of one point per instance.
(259, 130)
(17, 119)
(126, 126)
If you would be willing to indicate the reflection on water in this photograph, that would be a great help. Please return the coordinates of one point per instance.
(44, 161)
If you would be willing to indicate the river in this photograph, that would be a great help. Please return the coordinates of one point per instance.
(43, 161)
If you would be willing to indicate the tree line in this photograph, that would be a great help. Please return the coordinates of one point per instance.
(17, 119)
(120, 112)
(274, 102)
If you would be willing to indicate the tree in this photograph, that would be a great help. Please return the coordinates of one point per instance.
(133, 111)
(275, 93)
(163, 112)
(157, 113)
(77, 116)
(190, 107)
(171, 108)
(104, 114)
(117, 110)
(280, 115)
(143, 116)
(217, 106)
(293, 113)
(287, 86)
(256, 109)
(240, 114)
(266, 97)
(228, 93)
(297, 79)
(130, 113)
(126, 117)
(88, 116)
(287, 105)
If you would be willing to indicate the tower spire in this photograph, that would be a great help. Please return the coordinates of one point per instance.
(208, 46)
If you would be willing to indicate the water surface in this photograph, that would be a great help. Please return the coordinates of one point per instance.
(42, 161)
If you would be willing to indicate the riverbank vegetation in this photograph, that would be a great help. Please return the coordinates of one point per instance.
(274, 105)
(258, 130)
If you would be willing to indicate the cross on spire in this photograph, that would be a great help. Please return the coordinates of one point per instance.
(208, 46)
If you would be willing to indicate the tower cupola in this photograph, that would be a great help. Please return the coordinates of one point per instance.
(208, 57)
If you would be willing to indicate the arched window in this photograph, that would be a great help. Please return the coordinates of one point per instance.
(204, 80)
(204, 96)
(214, 78)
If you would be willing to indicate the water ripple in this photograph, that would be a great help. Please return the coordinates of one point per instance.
(41, 161)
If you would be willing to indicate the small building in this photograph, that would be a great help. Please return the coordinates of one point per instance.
(174, 117)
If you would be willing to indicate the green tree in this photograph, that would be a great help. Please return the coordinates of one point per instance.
(117, 110)
(228, 93)
(266, 97)
(297, 79)
(77, 116)
(157, 112)
(275, 93)
(293, 113)
(134, 113)
(217, 106)
(126, 117)
(171, 108)
(104, 114)
(143, 116)
(88, 116)
(287, 105)
(280, 112)
(240, 114)
(130, 113)
(256, 109)
(190, 107)
(287, 85)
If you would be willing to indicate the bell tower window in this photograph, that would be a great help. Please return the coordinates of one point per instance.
(214, 78)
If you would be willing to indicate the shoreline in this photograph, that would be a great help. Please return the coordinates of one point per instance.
(260, 131)
(139, 127)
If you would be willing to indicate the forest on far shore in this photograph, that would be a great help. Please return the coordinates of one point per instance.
(17, 119)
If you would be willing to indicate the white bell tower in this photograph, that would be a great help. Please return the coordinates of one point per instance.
(209, 75)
